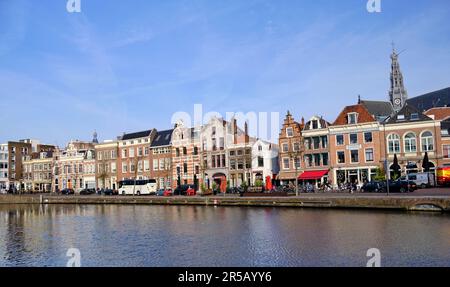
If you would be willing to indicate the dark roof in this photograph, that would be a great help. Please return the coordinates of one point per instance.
(137, 135)
(379, 109)
(435, 99)
(408, 114)
(162, 138)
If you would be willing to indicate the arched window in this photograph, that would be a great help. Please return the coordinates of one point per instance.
(410, 142)
(427, 141)
(393, 143)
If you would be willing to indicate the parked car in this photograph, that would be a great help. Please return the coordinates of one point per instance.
(67, 191)
(87, 191)
(402, 186)
(182, 189)
(168, 192)
(373, 186)
(422, 179)
(190, 192)
(107, 191)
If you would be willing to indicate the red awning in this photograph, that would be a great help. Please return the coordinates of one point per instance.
(317, 174)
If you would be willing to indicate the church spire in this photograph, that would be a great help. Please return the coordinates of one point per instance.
(397, 92)
(95, 139)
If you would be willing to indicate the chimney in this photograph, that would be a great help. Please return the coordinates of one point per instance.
(246, 133)
(235, 131)
(359, 99)
(303, 121)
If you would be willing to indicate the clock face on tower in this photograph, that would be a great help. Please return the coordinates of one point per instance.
(397, 102)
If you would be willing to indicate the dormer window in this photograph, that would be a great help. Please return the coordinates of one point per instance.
(352, 118)
(401, 117)
(315, 124)
(414, 116)
(289, 132)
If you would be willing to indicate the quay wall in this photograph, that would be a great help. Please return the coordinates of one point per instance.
(404, 203)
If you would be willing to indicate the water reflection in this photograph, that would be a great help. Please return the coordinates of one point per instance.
(115, 235)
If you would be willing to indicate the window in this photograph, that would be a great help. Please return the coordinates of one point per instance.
(155, 164)
(140, 151)
(297, 162)
(427, 141)
(339, 139)
(369, 155)
(352, 118)
(124, 167)
(221, 143)
(185, 168)
(285, 163)
(296, 147)
(354, 156)
(260, 147)
(446, 151)
(232, 153)
(324, 141)
(260, 161)
(124, 153)
(195, 150)
(353, 138)
(341, 157)
(368, 137)
(146, 151)
(177, 151)
(316, 142)
(315, 124)
(131, 152)
(289, 132)
(414, 116)
(113, 167)
(184, 150)
(325, 159)
(393, 143)
(146, 165)
(285, 147)
(410, 143)
(161, 164)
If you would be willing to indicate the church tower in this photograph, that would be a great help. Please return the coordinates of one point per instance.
(95, 139)
(397, 93)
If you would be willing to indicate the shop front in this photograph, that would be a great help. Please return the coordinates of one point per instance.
(314, 177)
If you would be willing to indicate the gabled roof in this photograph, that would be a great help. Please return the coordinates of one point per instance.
(407, 114)
(162, 138)
(363, 115)
(137, 135)
(378, 109)
(425, 102)
(439, 114)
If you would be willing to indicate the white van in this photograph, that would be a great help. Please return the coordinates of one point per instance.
(422, 179)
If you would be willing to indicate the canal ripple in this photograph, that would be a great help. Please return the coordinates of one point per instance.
(125, 235)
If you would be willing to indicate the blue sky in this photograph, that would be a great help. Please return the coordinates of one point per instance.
(129, 65)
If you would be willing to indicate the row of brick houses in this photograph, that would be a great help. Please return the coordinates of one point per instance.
(353, 148)
(350, 149)
(359, 142)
